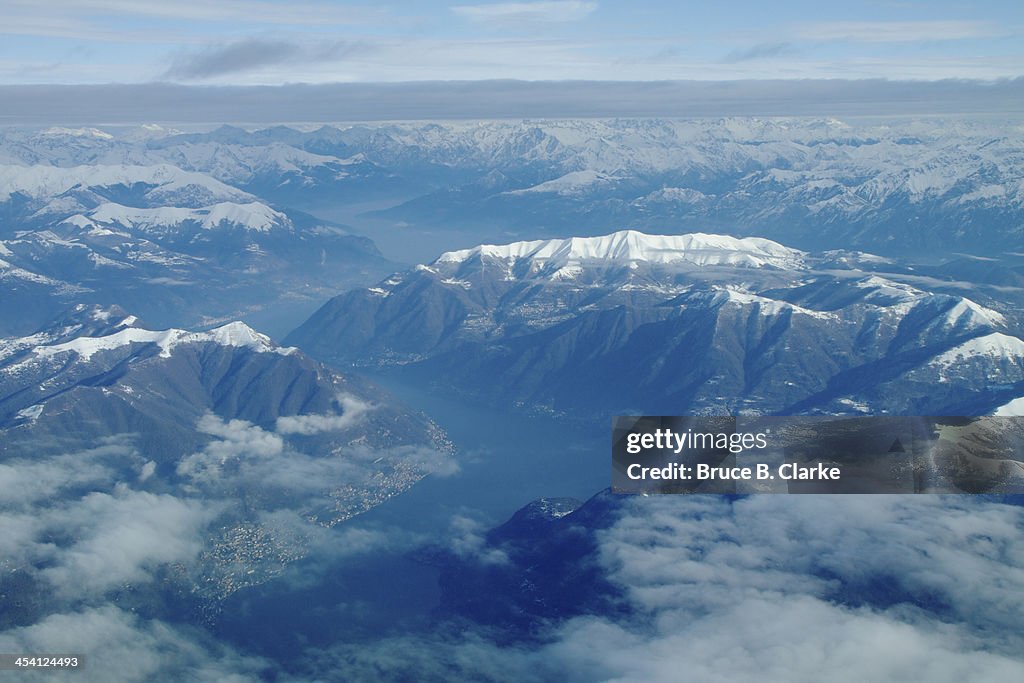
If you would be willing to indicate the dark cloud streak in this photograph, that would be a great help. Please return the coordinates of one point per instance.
(250, 54)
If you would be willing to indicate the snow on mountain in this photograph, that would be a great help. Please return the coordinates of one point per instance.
(996, 345)
(629, 245)
(570, 183)
(1014, 408)
(149, 131)
(252, 216)
(681, 195)
(90, 329)
(9, 271)
(810, 183)
(59, 131)
(49, 181)
(242, 163)
(235, 334)
(551, 324)
(967, 311)
(765, 305)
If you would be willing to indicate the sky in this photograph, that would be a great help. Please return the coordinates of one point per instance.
(274, 42)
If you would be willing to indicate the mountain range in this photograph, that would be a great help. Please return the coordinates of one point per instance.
(174, 245)
(630, 323)
(883, 186)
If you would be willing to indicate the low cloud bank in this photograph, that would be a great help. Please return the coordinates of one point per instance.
(182, 104)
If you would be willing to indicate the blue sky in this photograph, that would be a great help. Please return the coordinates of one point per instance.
(271, 42)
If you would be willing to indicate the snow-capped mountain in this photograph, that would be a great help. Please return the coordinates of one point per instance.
(658, 324)
(110, 355)
(812, 183)
(263, 163)
(210, 415)
(252, 216)
(179, 247)
(816, 184)
(630, 246)
(157, 184)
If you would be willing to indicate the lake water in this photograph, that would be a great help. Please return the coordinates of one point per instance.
(506, 460)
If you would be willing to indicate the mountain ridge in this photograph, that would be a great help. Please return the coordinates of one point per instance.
(673, 335)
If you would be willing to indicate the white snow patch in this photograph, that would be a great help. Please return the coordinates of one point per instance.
(31, 413)
(968, 311)
(236, 334)
(859, 406)
(76, 133)
(79, 221)
(252, 216)
(100, 261)
(630, 245)
(570, 183)
(567, 273)
(996, 345)
(766, 306)
(1014, 408)
(50, 181)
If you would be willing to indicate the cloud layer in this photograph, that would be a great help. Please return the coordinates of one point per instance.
(526, 12)
(770, 588)
(103, 550)
(777, 588)
(111, 104)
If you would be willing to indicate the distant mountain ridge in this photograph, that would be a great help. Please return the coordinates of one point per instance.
(174, 245)
(814, 183)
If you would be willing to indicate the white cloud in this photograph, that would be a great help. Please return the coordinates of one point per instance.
(24, 483)
(467, 539)
(898, 31)
(436, 463)
(353, 410)
(341, 477)
(240, 442)
(774, 547)
(768, 588)
(119, 537)
(555, 11)
(784, 588)
(120, 646)
(78, 18)
(797, 640)
(239, 436)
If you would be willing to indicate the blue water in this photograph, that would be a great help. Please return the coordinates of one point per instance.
(506, 461)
